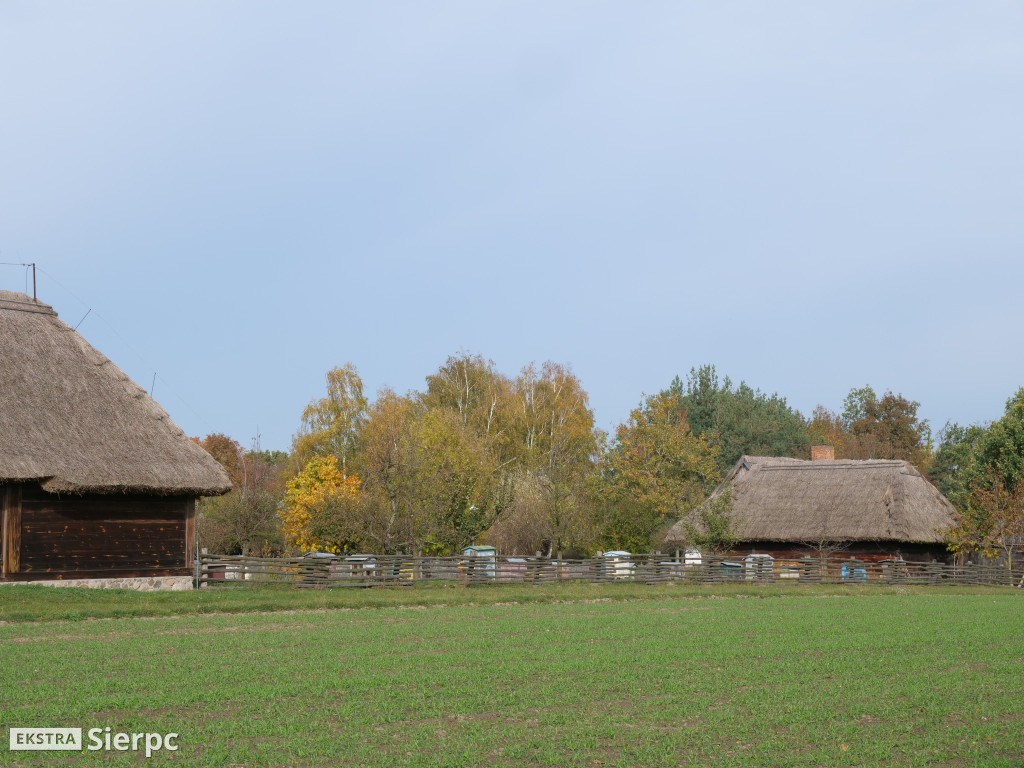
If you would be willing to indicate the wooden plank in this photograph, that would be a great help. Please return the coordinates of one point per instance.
(72, 561)
(46, 520)
(100, 542)
(35, 548)
(42, 516)
(34, 494)
(12, 530)
(4, 496)
(69, 565)
(109, 508)
(162, 532)
(57, 555)
(190, 532)
(85, 524)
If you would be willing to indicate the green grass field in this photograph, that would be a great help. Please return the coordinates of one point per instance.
(568, 675)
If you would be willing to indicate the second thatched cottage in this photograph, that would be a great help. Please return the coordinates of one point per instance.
(873, 509)
(96, 482)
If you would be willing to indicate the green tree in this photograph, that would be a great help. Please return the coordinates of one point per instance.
(957, 465)
(271, 458)
(855, 405)
(739, 419)
(711, 527)
(460, 490)
(656, 471)
(980, 469)
(1002, 447)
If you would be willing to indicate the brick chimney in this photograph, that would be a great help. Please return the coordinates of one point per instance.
(823, 453)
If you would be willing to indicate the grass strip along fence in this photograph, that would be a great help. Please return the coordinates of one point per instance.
(321, 571)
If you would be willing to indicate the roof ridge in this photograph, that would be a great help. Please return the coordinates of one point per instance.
(13, 301)
(861, 464)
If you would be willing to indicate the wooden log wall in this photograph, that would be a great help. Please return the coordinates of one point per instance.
(397, 570)
(96, 536)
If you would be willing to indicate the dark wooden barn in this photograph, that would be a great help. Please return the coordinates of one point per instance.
(873, 509)
(96, 481)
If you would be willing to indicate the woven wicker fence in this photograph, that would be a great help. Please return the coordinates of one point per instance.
(396, 570)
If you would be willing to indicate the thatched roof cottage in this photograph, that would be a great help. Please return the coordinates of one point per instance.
(872, 509)
(96, 481)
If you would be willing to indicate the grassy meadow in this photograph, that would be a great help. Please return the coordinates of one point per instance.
(572, 675)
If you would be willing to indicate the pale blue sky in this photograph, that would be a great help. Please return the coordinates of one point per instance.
(812, 196)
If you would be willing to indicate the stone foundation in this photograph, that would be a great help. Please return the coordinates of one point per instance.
(140, 584)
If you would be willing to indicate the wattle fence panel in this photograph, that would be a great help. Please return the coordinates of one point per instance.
(322, 572)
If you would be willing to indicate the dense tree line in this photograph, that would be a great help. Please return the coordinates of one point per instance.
(980, 469)
(517, 462)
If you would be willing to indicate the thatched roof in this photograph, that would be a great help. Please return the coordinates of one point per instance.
(791, 500)
(73, 421)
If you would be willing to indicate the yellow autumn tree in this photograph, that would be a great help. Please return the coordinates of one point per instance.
(320, 510)
(657, 471)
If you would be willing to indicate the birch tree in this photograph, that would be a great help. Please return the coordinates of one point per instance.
(331, 425)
